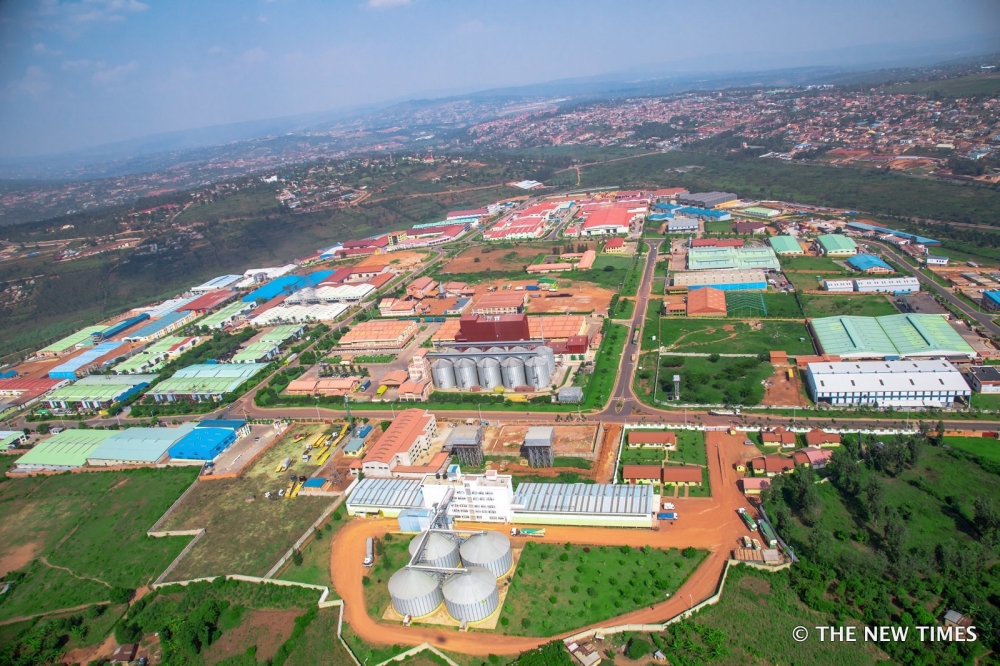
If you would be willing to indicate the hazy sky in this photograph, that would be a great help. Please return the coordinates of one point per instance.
(86, 72)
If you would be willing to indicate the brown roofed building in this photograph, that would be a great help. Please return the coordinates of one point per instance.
(771, 465)
(706, 302)
(652, 439)
(682, 475)
(415, 390)
(816, 437)
(754, 485)
(376, 334)
(500, 303)
(778, 437)
(421, 288)
(406, 440)
(633, 474)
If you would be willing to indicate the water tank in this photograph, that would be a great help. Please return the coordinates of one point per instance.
(536, 370)
(439, 551)
(466, 375)
(489, 372)
(471, 596)
(512, 372)
(443, 374)
(415, 593)
(489, 550)
(548, 355)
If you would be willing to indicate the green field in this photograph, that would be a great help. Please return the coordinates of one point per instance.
(812, 264)
(602, 382)
(624, 309)
(731, 336)
(609, 271)
(962, 86)
(315, 567)
(45, 640)
(986, 400)
(83, 534)
(782, 305)
(556, 589)
(808, 281)
(982, 447)
(733, 381)
(869, 305)
(651, 325)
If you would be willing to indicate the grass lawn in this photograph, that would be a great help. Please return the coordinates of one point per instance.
(718, 228)
(808, 281)
(624, 309)
(244, 536)
(642, 456)
(391, 554)
(602, 382)
(734, 381)
(782, 305)
(705, 489)
(817, 264)
(690, 448)
(984, 447)
(315, 567)
(651, 326)
(986, 400)
(375, 358)
(93, 525)
(558, 588)
(569, 461)
(319, 645)
(869, 305)
(609, 271)
(731, 336)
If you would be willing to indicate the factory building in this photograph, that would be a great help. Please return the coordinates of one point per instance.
(598, 505)
(726, 280)
(209, 301)
(136, 446)
(66, 450)
(95, 392)
(732, 258)
(405, 442)
(509, 365)
(500, 303)
(984, 378)
(910, 335)
(384, 497)
(209, 439)
(836, 245)
(82, 338)
(221, 282)
(480, 498)
(94, 359)
(904, 285)
(324, 295)
(466, 443)
(161, 327)
(205, 381)
(887, 383)
(706, 199)
(785, 245)
(300, 314)
(378, 334)
(682, 225)
(706, 302)
(869, 263)
(607, 220)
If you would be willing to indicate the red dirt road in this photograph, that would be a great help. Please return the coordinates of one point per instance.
(710, 523)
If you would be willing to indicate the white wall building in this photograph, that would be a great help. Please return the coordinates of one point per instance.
(838, 285)
(483, 498)
(887, 285)
(887, 383)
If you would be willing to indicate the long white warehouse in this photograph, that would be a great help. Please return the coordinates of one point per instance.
(887, 383)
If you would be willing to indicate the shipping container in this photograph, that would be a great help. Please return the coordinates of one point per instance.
(667, 515)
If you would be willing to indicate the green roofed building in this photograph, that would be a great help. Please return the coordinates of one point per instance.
(837, 245)
(83, 337)
(206, 381)
(97, 391)
(893, 336)
(153, 357)
(257, 352)
(224, 316)
(280, 334)
(732, 258)
(65, 450)
(785, 245)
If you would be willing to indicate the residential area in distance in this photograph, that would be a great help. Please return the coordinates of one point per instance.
(395, 332)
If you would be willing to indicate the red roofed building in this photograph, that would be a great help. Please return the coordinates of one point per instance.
(815, 458)
(403, 444)
(706, 302)
(19, 391)
(772, 465)
(670, 193)
(652, 439)
(209, 301)
(635, 474)
(816, 437)
(682, 475)
(615, 246)
(607, 221)
(380, 280)
(337, 277)
(754, 485)
(717, 242)
(778, 437)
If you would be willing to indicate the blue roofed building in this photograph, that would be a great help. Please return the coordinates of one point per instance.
(286, 284)
(869, 263)
(158, 328)
(871, 229)
(80, 365)
(208, 439)
(991, 300)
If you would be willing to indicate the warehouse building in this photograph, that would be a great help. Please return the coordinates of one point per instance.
(12, 439)
(706, 199)
(158, 328)
(221, 282)
(138, 446)
(706, 302)
(899, 285)
(761, 211)
(66, 450)
(887, 383)
(204, 381)
(991, 300)
(732, 258)
(403, 444)
(210, 301)
(282, 334)
(22, 391)
(872, 230)
(256, 352)
(786, 245)
(869, 263)
(682, 225)
(379, 334)
(839, 286)
(384, 497)
(227, 315)
(94, 359)
(300, 314)
(153, 357)
(726, 280)
(583, 504)
(500, 303)
(836, 245)
(910, 335)
(82, 338)
(607, 220)
(209, 439)
(287, 284)
(344, 293)
(95, 392)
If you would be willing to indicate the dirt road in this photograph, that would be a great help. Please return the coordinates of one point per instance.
(705, 523)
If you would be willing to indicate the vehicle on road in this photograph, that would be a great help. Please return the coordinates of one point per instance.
(668, 506)
(725, 412)
(668, 515)
(747, 518)
(537, 532)
(369, 552)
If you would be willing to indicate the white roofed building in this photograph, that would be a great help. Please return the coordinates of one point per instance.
(887, 383)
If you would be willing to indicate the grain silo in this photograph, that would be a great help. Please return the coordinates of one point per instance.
(466, 374)
(536, 370)
(512, 372)
(489, 550)
(549, 355)
(443, 374)
(415, 593)
(489, 372)
(472, 595)
(439, 551)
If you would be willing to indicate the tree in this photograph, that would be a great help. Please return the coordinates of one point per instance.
(121, 595)
(297, 557)
(874, 497)
(986, 518)
(895, 538)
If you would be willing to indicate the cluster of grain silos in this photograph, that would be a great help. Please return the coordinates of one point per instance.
(494, 367)
(469, 595)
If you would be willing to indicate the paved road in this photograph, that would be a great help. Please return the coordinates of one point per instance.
(623, 386)
(984, 319)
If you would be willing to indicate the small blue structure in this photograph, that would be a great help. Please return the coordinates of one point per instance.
(704, 213)
(415, 520)
(287, 284)
(734, 286)
(362, 431)
(77, 364)
(861, 226)
(7, 374)
(314, 483)
(867, 262)
(991, 300)
(123, 325)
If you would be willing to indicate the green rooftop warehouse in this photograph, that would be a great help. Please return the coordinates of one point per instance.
(785, 245)
(205, 381)
(729, 258)
(95, 392)
(889, 337)
(836, 245)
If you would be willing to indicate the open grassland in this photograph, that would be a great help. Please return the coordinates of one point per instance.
(315, 567)
(812, 264)
(732, 336)
(733, 381)
(556, 588)
(75, 536)
(57, 637)
(391, 554)
(962, 86)
(609, 271)
(982, 447)
(624, 309)
(868, 305)
(811, 281)
(782, 305)
(246, 533)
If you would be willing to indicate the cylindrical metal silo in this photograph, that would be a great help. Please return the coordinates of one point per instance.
(519, 348)
(443, 374)
(496, 351)
(489, 550)
(471, 596)
(489, 372)
(549, 356)
(473, 350)
(536, 369)
(415, 593)
(439, 551)
(466, 374)
(512, 372)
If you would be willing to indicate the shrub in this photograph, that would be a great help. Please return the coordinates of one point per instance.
(121, 595)
(689, 552)
(297, 557)
(637, 649)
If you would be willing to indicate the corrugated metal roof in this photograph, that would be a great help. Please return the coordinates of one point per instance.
(388, 493)
(69, 448)
(140, 444)
(598, 498)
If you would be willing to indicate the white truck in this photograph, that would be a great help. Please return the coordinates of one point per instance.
(369, 552)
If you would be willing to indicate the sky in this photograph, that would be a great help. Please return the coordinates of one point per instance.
(80, 73)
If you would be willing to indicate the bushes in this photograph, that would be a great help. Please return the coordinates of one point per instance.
(121, 595)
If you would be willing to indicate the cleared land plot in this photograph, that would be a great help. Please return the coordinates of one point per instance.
(731, 336)
(77, 535)
(247, 535)
(733, 381)
(983, 447)
(315, 567)
(573, 441)
(815, 264)
(807, 281)
(870, 305)
(557, 588)
(493, 258)
(609, 271)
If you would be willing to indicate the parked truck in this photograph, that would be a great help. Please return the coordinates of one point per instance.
(725, 412)
(284, 464)
(537, 532)
(369, 552)
(667, 515)
(768, 534)
(748, 519)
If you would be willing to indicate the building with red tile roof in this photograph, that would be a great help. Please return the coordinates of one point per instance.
(652, 439)
(682, 475)
(816, 437)
(407, 439)
(706, 302)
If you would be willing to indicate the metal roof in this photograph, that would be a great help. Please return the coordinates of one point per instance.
(834, 243)
(69, 448)
(157, 325)
(584, 498)
(864, 262)
(785, 244)
(412, 584)
(739, 258)
(140, 444)
(539, 436)
(902, 377)
(281, 333)
(903, 335)
(473, 586)
(84, 335)
(220, 317)
(69, 368)
(282, 285)
(208, 378)
(202, 443)
(388, 493)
